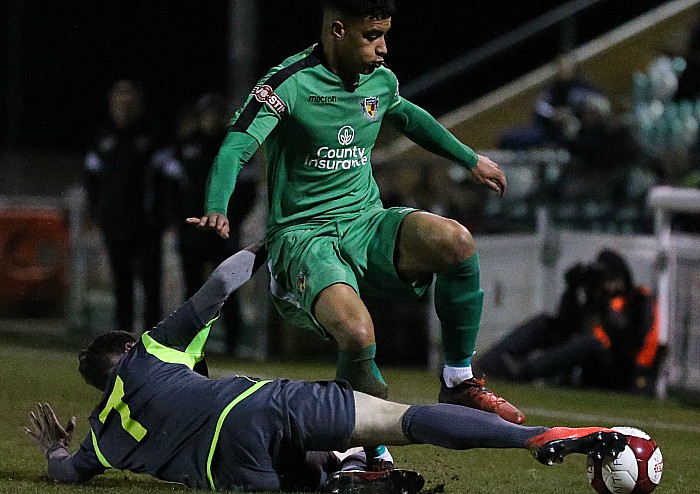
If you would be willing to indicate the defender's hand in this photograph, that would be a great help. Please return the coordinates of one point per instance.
(488, 173)
(212, 221)
(46, 430)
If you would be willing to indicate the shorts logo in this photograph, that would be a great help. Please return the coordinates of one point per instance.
(370, 107)
(301, 281)
(346, 135)
(264, 94)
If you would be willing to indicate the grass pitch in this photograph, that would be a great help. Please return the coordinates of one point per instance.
(31, 372)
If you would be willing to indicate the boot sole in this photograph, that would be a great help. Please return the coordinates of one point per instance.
(598, 445)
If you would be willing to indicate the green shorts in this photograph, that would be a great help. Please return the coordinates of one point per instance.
(357, 252)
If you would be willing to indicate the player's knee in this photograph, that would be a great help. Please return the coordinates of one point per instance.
(458, 243)
(353, 332)
(340, 311)
(359, 334)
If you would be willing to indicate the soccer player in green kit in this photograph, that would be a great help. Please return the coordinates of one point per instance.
(329, 237)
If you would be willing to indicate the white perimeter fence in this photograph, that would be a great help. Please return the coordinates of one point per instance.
(678, 284)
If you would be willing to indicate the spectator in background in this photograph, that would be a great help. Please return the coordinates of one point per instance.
(602, 140)
(186, 164)
(558, 110)
(604, 334)
(124, 192)
(604, 151)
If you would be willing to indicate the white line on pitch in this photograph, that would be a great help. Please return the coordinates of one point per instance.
(611, 421)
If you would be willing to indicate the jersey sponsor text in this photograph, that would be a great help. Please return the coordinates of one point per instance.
(327, 158)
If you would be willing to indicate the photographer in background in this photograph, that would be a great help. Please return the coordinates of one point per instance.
(604, 334)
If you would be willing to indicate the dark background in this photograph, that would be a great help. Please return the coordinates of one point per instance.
(70, 53)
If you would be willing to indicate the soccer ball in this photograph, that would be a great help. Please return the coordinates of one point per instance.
(637, 470)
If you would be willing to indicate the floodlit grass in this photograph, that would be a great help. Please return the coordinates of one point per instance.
(30, 373)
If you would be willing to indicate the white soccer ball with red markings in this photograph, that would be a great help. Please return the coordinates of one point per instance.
(637, 470)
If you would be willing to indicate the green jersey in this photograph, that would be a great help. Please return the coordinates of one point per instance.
(318, 135)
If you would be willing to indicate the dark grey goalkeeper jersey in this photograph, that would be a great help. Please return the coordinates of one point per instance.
(159, 417)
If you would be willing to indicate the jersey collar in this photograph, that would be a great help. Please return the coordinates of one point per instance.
(349, 86)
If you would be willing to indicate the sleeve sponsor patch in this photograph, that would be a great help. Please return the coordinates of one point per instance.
(265, 94)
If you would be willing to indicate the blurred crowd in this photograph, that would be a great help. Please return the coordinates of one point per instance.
(141, 183)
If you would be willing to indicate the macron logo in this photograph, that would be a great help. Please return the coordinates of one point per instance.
(264, 94)
(322, 99)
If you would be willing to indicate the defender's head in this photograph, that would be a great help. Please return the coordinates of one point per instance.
(354, 35)
(101, 356)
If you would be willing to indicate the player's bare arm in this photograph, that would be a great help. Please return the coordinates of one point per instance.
(488, 173)
(46, 430)
(212, 221)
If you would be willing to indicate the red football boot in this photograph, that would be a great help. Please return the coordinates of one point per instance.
(473, 393)
(552, 446)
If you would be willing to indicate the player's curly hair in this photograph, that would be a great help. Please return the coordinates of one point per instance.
(377, 9)
(97, 359)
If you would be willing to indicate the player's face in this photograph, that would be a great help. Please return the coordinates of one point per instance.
(364, 45)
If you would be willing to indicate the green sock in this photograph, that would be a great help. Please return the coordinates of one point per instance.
(359, 369)
(459, 300)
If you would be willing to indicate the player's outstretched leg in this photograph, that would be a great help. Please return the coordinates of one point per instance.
(391, 481)
(459, 428)
(552, 446)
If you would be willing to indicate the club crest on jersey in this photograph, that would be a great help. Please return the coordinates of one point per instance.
(370, 107)
(265, 94)
(301, 281)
